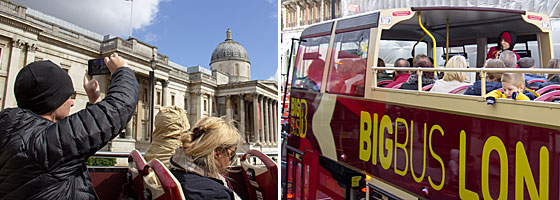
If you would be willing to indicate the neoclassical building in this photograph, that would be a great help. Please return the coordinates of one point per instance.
(27, 35)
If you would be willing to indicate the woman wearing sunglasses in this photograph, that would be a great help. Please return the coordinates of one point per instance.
(200, 165)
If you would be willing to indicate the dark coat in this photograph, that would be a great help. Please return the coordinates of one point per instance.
(474, 89)
(41, 159)
(197, 187)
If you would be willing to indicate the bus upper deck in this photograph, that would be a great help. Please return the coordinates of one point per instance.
(350, 139)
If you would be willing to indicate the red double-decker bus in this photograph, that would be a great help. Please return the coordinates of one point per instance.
(350, 139)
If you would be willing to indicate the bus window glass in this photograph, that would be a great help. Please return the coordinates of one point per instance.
(310, 63)
(347, 71)
(339, 182)
(391, 50)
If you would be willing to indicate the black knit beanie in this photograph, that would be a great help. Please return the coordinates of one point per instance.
(42, 87)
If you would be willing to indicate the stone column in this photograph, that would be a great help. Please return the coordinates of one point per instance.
(270, 122)
(128, 131)
(210, 104)
(261, 121)
(31, 48)
(229, 114)
(266, 124)
(200, 107)
(164, 92)
(275, 121)
(256, 118)
(241, 111)
(13, 69)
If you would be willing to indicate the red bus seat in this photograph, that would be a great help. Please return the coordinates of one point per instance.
(459, 90)
(261, 181)
(549, 97)
(137, 168)
(161, 184)
(383, 83)
(427, 87)
(535, 81)
(398, 86)
(548, 89)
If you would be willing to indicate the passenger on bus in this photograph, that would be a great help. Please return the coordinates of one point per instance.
(506, 42)
(427, 77)
(315, 74)
(513, 85)
(529, 63)
(171, 123)
(200, 165)
(351, 72)
(400, 76)
(492, 78)
(43, 149)
(382, 75)
(508, 57)
(552, 79)
(452, 80)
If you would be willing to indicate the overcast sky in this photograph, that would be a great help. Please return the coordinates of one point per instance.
(186, 31)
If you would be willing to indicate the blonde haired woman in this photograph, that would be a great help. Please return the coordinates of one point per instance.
(452, 80)
(200, 165)
(171, 123)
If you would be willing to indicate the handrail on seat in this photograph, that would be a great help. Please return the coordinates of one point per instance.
(139, 161)
(427, 87)
(460, 88)
(171, 186)
(548, 97)
(548, 88)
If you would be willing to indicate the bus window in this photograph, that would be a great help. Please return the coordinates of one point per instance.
(310, 63)
(347, 71)
(339, 182)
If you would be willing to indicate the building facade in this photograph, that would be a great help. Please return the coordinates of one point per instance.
(27, 35)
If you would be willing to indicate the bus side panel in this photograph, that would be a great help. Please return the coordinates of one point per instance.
(451, 155)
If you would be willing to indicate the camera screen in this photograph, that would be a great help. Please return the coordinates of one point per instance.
(97, 67)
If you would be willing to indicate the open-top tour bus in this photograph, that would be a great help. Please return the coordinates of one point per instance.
(350, 139)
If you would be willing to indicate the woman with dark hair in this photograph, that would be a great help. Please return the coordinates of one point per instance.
(506, 42)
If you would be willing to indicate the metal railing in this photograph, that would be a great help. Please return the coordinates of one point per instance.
(482, 71)
(107, 154)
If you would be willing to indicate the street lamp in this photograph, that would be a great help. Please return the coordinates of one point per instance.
(153, 64)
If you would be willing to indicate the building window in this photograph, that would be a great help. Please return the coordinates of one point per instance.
(145, 95)
(172, 100)
(205, 105)
(145, 130)
(158, 98)
(236, 69)
(186, 105)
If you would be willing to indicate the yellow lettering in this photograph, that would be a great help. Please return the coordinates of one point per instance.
(385, 160)
(401, 146)
(523, 173)
(436, 187)
(303, 118)
(494, 143)
(417, 179)
(365, 136)
(464, 193)
(374, 142)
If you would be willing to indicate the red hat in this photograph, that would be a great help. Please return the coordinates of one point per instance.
(506, 37)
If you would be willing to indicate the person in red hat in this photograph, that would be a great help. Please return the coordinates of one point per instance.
(507, 41)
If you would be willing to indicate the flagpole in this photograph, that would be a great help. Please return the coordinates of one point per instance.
(130, 26)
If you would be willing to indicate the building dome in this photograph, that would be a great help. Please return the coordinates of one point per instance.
(229, 50)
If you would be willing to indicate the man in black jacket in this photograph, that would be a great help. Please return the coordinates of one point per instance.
(42, 149)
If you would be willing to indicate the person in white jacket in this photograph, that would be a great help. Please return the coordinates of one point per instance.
(452, 80)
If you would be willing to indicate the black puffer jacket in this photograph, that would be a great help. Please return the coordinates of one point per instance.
(40, 159)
